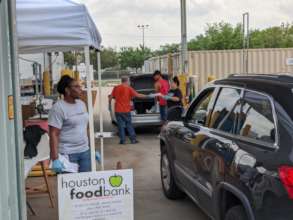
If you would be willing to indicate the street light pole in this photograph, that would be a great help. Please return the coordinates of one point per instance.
(143, 27)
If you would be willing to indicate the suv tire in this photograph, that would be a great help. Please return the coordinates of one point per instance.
(236, 212)
(170, 188)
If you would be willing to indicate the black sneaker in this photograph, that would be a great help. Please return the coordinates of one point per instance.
(135, 142)
(122, 142)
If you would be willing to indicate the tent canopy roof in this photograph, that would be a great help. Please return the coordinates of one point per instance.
(55, 25)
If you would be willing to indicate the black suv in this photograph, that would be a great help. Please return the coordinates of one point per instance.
(232, 152)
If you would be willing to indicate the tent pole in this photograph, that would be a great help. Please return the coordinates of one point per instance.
(100, 109)
(36, 74)
(90, 107)
(19, 166)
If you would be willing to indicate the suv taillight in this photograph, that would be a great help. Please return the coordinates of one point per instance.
(286, 176)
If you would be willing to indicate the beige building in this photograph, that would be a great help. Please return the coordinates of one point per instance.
(221, 63)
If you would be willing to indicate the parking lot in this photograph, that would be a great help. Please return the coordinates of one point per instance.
(144, 158)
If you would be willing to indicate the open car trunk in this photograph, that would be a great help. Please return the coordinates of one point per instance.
(144, 84)
(145, 106)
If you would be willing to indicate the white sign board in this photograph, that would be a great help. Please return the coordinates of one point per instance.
(105, 195)
(289, 61)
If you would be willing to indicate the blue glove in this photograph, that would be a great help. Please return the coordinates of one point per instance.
(98, 157)
(151, 95)
(110, 107)
(57, 166)
(167, 97)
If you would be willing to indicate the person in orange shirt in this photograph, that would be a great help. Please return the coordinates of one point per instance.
(123, 94)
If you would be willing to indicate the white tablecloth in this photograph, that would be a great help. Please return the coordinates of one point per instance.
(43, 154)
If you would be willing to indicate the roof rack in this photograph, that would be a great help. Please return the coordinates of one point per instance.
(252, 74)
(282, 77)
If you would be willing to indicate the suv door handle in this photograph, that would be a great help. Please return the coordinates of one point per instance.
(188, 137)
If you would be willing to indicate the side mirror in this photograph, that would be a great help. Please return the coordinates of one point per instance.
(200, 121)
(200, 117)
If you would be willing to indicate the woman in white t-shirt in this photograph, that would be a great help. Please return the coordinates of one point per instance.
(68, 122)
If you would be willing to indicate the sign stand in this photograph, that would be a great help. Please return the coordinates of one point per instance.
(100, 109)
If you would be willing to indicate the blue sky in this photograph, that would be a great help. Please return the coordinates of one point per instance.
(117, 20)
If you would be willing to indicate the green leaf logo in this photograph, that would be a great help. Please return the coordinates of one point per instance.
(116, 181)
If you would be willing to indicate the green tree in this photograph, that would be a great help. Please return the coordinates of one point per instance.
(109, 58)
(133, 57)
(167, 48)
(273, 37)
(69, 59)
(257, 39)
(218, 36)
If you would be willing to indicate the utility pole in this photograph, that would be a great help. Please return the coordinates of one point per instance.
(50, 72)
(184, 55)
(246, 36)
(143, 27)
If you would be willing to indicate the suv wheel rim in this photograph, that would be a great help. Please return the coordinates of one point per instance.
(166, 174)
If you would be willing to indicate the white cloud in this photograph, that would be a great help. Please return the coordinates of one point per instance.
(118, 19)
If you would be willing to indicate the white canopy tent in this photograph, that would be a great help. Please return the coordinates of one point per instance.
(55, 25)
(61, 25)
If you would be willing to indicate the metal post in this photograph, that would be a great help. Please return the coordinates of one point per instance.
(44, 60)
(248, 31)
(184, 58)
(143, 27)
(20, 180)
(35, 72)
(51, 71)
(90, 107)
(160, 63)
(100, 109)
(41, 79)
(247, 41)
(143, 38)
(75, 56)
(246, 38)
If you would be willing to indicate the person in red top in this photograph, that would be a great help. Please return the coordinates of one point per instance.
(123, 94)
(161, 86)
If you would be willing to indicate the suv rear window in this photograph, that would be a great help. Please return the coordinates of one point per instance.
(256, 120)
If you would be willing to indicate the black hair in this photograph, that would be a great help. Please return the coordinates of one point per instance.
(63, 83)
(176, 80)
(157, 72)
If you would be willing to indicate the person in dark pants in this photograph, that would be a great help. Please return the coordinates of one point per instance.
(162, 87)
(123, 94)
(174, 101)
(174, 96)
